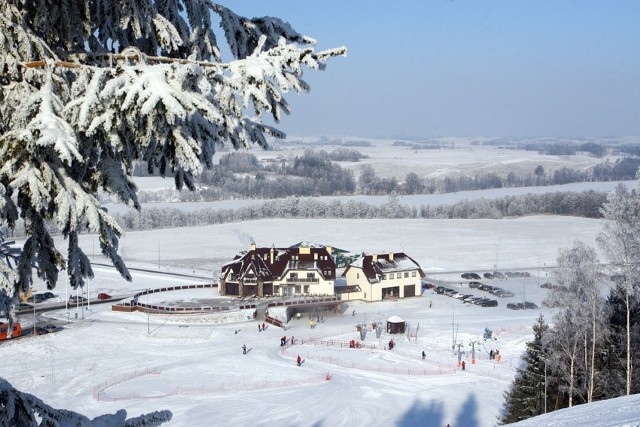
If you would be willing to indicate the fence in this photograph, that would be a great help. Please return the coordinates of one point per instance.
(100, 395)
(136, 305)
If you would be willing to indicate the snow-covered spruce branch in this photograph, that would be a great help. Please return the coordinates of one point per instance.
(23, 409)
(86, 60)
(89, 89)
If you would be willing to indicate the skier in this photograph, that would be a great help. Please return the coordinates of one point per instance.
(430, 303)
(292, 340)
(259, 328)
(423, 355)
(463, 365)
(299, 360)
(263, 326)
(244, 349)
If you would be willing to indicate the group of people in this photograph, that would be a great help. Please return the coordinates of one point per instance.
(261, 327)
(354, 344)
(494, 355)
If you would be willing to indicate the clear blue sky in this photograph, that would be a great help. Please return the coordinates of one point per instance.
(466, 68)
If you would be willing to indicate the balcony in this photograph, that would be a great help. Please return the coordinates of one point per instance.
(303, 280)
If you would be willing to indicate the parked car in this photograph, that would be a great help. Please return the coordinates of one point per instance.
(546, 285)
(498, 275)
(102, 295)
(37, 298)
(24, 306)
(515, 306)
(76, 299)
(49, 327)
(489, 303)
(440, 289)
(49, 295)
(470, 276)
(474, 284)
(529, 305)
(488, 276)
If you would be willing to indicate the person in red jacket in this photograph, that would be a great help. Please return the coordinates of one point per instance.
(299, 360)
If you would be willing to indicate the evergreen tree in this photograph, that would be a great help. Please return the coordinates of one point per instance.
(525, 397)
(88, 88)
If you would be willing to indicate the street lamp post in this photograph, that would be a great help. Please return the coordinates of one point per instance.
(35, 321)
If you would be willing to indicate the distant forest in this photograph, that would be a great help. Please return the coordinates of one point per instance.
(318, 173)
(292, 183)
(584, 204)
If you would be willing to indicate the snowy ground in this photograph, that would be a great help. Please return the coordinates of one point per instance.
(194, 366)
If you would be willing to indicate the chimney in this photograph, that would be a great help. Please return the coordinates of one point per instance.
(374, 258)
(271, 254)
(329, 249)
(315, 256)
(253, 246)
(391, 256)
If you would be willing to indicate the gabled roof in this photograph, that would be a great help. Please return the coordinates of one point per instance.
(273, 263)
(375, 265)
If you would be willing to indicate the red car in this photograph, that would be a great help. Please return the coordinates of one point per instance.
(102, 295)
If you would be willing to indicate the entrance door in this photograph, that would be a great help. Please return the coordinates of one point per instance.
(409, 291)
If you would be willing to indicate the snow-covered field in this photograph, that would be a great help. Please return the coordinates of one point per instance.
(194, 366)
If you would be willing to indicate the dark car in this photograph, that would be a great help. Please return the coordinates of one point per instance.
(488, 276)
(49, 295)
(474, 285)
(51, 328)
(37, 298)
(102, 295)
(546, 285)
(515, 306)
(470, 276)
(529, 305)
(498, 275)
(75, 299)
(24, 306)
(489, 303)
(440, 289)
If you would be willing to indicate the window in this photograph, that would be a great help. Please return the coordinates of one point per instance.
(390, 276)
(297, 289)
(306, 289)
(310, 275)
(357, 275)
(406, 274)
(413, 274)
(384, 277)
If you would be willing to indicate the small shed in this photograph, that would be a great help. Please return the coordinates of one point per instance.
(395, 325)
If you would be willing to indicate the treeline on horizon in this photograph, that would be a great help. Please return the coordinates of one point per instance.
(316, 173)
(584, 204)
